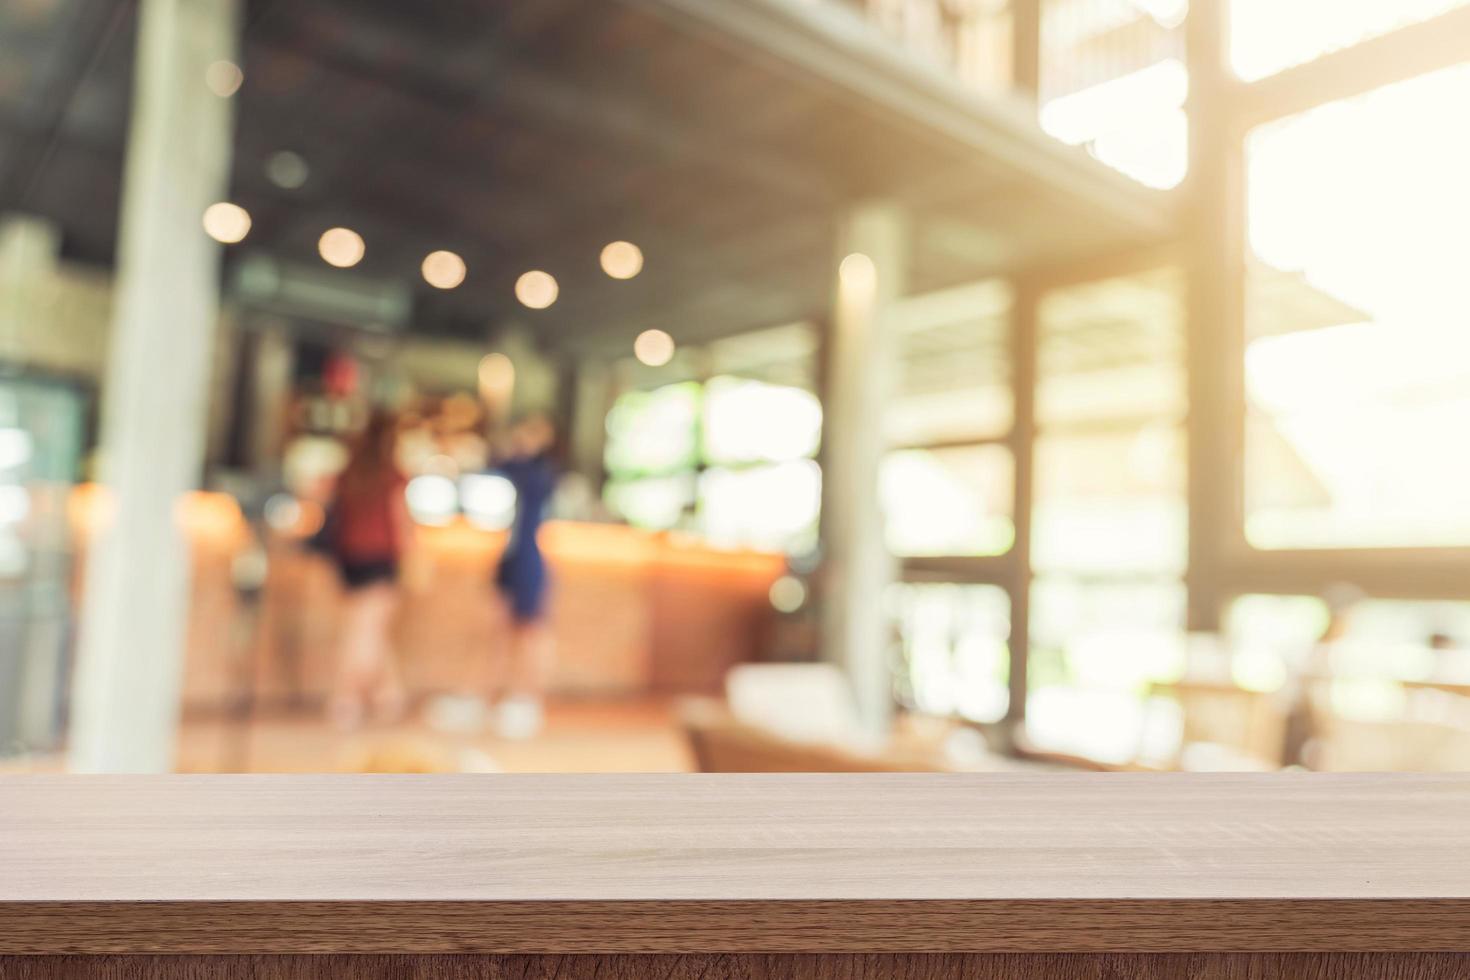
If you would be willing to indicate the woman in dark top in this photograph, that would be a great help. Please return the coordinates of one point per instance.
(369, 528)
(521, 579)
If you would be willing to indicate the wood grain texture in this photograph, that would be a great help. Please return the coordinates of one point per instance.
(1112, 966)
(701, 926)
(522, 864)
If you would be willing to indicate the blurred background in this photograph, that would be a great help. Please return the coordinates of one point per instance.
(740, 385)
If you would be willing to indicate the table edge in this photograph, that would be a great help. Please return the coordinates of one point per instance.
(754, 926)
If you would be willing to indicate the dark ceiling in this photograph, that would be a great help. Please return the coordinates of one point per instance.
(527, 135)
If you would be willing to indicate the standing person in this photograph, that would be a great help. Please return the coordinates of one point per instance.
(521, 578)
(369, 527)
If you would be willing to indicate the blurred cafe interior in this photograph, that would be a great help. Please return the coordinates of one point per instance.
(752, 385)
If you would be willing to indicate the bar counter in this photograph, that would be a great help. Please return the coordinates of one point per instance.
(632, 612)
(752, 876)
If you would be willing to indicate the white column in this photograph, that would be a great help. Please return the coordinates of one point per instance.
(155, 412)
(857, 568)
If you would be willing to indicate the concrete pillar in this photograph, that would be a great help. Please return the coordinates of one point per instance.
(155, 411)
(857, 568)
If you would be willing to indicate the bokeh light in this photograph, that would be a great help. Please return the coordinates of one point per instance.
(341, 247)
(488, 500)
(224, 78)
(433, 499)
(536, 289)
(497, 380)
(284, 513)
(622, 260)
(287, 170)
(443, 270)
(787, 594)
(16, 447)
(858, 273)
(654, 348)
(226, 222)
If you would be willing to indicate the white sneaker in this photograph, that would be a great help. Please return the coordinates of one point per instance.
(518, 718)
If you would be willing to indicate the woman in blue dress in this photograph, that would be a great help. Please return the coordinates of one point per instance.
(521, 579)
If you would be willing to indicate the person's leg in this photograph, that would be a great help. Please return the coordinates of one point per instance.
(499, 656)
(361, 651)
(532, 656)
(345, 706)
(527, 672)
(386, 691)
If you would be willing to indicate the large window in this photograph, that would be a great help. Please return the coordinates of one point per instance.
(1270, 637)
(749, 422)
(773, 507)
(947, 485)
(1358, 368)
(1097, 647)
(1371, 659)
(949, 501)
(1111, 501)
(947, 488)
(41, 443)
(1114, 81)
(971, 38)
(953, 640)
(731, 459)
(1269, 35)
(1110, 416)
(651, 454)
(1109, 518)
(952, 381)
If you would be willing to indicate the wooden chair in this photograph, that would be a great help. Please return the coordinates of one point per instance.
(721, 743)
(1246, 725)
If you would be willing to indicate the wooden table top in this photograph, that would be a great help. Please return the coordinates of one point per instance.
(684, 863)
